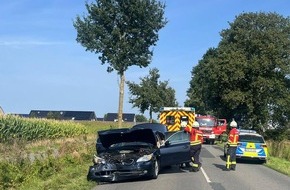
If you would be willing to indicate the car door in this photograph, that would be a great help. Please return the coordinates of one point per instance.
(175, 150)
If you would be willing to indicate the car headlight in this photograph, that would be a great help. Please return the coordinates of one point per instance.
(145, 158)
(98, 160)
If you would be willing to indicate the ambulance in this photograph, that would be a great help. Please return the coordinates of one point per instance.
(177, 118)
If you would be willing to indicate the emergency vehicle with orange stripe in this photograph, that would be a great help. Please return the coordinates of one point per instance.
(212, 128)
(177, 118)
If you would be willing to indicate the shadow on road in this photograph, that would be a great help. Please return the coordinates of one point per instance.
(166, 170)
(222, 167)
(172, 169)
(222, 157)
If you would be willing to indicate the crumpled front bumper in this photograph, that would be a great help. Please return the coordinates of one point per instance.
(112, 172)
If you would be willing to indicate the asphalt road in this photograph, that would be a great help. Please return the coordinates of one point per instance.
(248, 176)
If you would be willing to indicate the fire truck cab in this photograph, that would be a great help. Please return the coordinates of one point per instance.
(177, 118)
(211, 127)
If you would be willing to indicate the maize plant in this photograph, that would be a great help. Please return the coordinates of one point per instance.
(35, 129)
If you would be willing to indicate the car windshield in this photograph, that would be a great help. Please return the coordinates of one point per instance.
(153, 126)
(251, 138)
(205, 122)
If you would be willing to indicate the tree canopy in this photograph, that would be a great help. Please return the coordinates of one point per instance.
(247, 76)
(151, 94)
(122, 33)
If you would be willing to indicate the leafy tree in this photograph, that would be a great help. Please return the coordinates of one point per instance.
(141, 118)
(53, 115)
(247, 76)
(122, 32)
(151, 94)
(199, 94)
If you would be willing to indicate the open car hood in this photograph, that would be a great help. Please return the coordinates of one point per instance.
(114, 136)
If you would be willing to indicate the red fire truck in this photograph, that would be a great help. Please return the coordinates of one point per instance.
(211, 127)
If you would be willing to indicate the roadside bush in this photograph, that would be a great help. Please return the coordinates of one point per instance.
(10, 176)
(20, 171)
(53, 163)
(223, 137)
(278, 134)
(279, 149)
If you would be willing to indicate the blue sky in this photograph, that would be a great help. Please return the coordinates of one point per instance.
(43, 67)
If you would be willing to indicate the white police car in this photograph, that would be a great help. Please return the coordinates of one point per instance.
(251, 146)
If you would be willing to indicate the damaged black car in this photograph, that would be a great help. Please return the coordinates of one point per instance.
(134, 153)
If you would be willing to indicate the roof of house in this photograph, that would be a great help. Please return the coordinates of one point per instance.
(100, 119)
(20, 114)
(80, 115)
(65, 115)
(127, 117)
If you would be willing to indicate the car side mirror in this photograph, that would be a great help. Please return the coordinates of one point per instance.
(167, 143)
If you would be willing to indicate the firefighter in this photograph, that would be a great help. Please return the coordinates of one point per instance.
(232, 143)
(196, 140)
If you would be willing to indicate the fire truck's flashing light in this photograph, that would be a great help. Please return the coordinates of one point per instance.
(177, 109)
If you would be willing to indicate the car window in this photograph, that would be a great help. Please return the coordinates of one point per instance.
(251, 138)
(170, 120)
(178, 137)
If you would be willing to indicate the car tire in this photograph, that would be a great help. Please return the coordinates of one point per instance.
(155, 170)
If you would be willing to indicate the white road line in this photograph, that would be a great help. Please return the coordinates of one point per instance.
(205, 175)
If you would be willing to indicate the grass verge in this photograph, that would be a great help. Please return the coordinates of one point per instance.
(279, 164)
(50, 164)
(71, 176)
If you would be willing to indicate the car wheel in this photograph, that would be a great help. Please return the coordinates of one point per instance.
(155, 169)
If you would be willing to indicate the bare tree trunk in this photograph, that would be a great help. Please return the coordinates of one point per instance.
(150, 115)
(121, 99)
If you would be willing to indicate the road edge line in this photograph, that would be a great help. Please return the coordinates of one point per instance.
(205, 175)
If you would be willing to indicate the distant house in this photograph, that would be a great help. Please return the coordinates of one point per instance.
(127, 117)
(64, 115)
(1, 111)
(43, 113)
(20, 114)
(100, 119)
(80, 115)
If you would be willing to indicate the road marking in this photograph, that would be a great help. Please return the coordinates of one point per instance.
(205, 175)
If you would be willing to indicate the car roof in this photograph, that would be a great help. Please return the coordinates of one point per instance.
(249, 132)
(252, 134)
(246, 131)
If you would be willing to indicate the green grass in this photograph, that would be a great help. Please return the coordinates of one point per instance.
(279, 164)
(66, 170)
(279, 149)
(72, 176)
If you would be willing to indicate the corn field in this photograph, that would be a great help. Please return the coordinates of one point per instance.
(12, 127)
